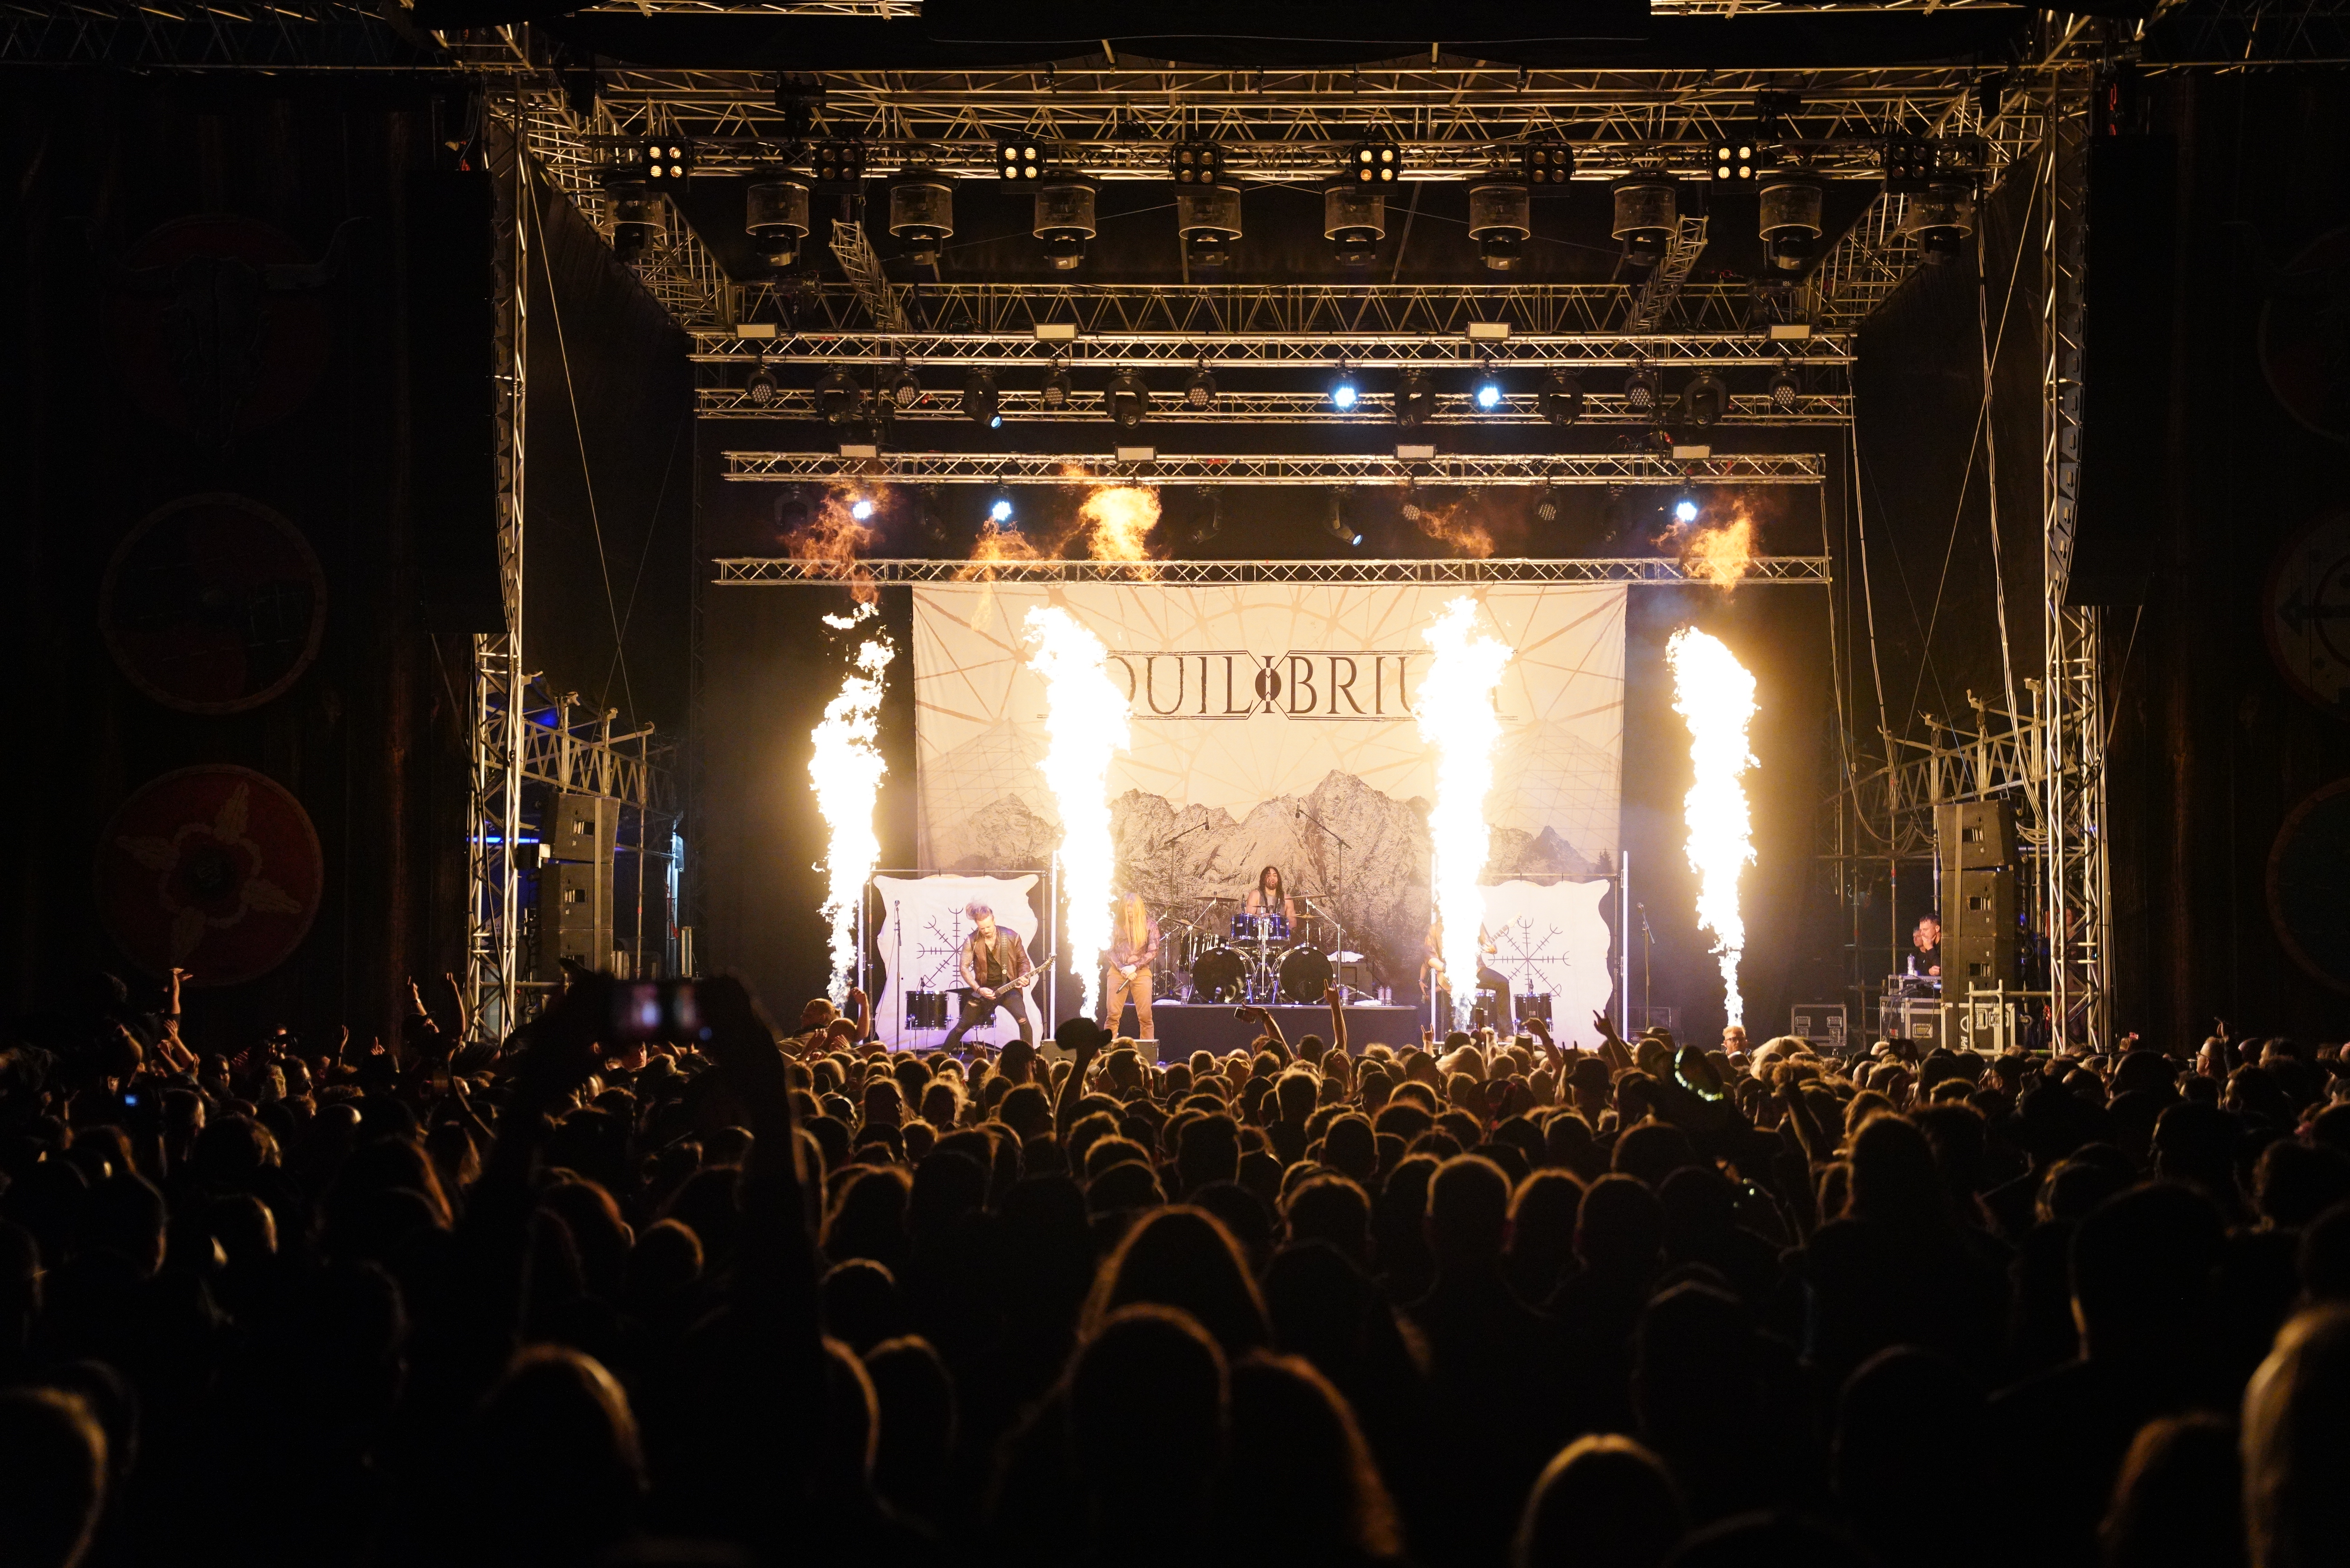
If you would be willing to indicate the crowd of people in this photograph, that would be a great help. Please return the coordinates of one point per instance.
(755, 1295)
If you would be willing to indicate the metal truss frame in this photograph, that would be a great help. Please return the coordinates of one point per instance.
(1296, 350)
(905, 9)
(496, 760)
(1291, 407)
(796, 572)
(1323, 468)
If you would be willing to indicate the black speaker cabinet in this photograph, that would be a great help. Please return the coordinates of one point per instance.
(580, 827)
(574, 915)
(1972, 834)
(1978, 934)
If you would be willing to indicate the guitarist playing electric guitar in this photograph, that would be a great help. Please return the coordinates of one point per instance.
(995, 973)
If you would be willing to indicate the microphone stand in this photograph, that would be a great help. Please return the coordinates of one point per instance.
(1648, 964)
(1173, 837)
(1323, 825)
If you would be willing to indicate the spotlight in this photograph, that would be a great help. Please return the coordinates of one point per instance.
(1790, 221)
(1064, 222)
(762, 390)
(1562, 399)
(1547, 509)
(1129, 400)
(1415, 399)
(1199, 391)
(981, 400)
(922, 214)
(1786, 390)
(1549, 163)
(1354, 219)
(837, 398)
(1501, 216)
(1338, 527)
(1344, 392)
(999, 510)
(1734, 159)
(1685, 511)
(1056, 389)
(905, 387)
(861, 508)
(1939, 218)
(666, 161)
(1487, 393)
(1705, 399)
(1196, 163)
(1019, 158)
(633, 212)
(775, 216)
(837, 162)
(1374, 163)
(1209, 219)
(1647, 216)
(1641, 394)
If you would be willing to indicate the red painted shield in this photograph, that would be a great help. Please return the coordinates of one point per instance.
(214, 604)
(215, 869)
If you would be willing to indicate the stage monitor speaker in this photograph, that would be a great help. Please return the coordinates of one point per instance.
(453, 478)
(1978, 934)
(574, 915)
(580, 827)
(1972, 834)
(2131, 239)
(1818, 1023)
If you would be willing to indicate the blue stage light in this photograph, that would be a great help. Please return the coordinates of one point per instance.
(1002, 510)
(1343, 393)
(1684, 511)
(861, 508)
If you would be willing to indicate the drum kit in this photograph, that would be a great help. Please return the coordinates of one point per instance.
(1256, 959)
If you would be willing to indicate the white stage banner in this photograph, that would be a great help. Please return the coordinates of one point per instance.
(919, 943)
(1553, 941)
(1273, 725)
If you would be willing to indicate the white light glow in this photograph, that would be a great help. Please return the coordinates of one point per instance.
(1085, 725)
(846, 771)
(1714, 695)
(861, 508)
(1455, 709)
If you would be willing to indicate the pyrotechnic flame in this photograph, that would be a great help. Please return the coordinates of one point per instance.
(1714, 694)
(1116, 519)
(833, 537)
(1721, 553)
(1455, 709)
(1447, 524)
(846, 771)
(1085, 722)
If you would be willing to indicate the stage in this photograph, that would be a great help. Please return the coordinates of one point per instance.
(1188, 1027)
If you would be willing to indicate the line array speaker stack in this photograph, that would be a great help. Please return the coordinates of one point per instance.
(576, 834)
(1976, 840)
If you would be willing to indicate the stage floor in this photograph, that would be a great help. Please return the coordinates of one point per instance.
(1188, 1027)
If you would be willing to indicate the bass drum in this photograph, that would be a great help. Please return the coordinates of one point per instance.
(1304, 976)
(1219, 974)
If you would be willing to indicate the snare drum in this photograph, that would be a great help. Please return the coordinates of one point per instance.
(1219, 974)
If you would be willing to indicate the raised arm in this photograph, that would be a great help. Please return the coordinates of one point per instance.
(1065, 1115)
(1337, 997)
(1271, 1026)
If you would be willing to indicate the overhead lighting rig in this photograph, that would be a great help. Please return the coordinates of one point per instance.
(775, 216)
(1196, 163)
(1547, 162)
(1647, 216)
(632, 213)
(922, 214)
(1642, 394)
(838, 399)
(1501, 217)
(1019, 158)
(666, 159)
(1129, 400)
(905, 387)
(1415, 399)
(1064, 220)
(1208, 217)
(1785, 390)
(1562, 399)
(1199, 391)
(762, 390)
(1789, 204)
(982, 402)
(1705, 399)
(1057, 389)
(837, 162)
(1354, 219)
(1345, 391)
(1375, 163)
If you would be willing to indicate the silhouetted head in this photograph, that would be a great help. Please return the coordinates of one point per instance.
(54, 1455)
(1602, 1502)
(1183, 1258)
(2296, 1447)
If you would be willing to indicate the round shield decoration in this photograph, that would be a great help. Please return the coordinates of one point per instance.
(215, 869)
(2304, 335)
(212, 604)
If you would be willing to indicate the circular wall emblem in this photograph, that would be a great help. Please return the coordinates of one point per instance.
(2305, 336)
(214, 604)
(2309, 868)
(215, 869)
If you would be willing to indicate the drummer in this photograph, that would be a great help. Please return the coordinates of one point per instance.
(1133, 944)
(1270, 897)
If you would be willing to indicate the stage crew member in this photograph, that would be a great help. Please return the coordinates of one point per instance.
(1133, 945)
(995, 973)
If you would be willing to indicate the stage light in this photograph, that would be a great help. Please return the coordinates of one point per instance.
(905, 388)
(1487, 393)
(837, 398)
(1547, 509)
(999, 510)
(1647, 209)
(837, 162)
(1501, 216)
(762, 390)
(981, 401)
(1785, 390)
(1064, 222)
(1209, 219)
(1019, 158)
(1562, 399)
(1338, 527)
(1642, 392)
(666, 159)
(922, 214)
(1354, 219)
(1790, 221)
(1733, 159)
(633, 213)
(1345, 392)
(1129, 400)
(1375, 163)
(1057, 390)
(775, 216)
(1939, 218)
(1415, 399)
(1685, 511)
(1196, 163)
(861, 508)
(1705, 399)
(1549, 163)
(1213, 523)
(1199, 391)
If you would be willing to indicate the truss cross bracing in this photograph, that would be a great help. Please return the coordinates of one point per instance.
(1026, 405)
(1068, 468)
(1325, 351)
(794, 571)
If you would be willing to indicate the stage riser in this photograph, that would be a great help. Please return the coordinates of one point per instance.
(1186, 1027)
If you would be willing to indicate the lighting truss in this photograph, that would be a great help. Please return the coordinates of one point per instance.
(785, 571)
(1373, 351)
(1323, 468)
(1309, 407)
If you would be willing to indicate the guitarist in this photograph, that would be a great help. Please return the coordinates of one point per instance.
(995, 973)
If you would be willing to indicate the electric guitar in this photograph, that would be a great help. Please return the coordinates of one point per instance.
(1026, 984)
